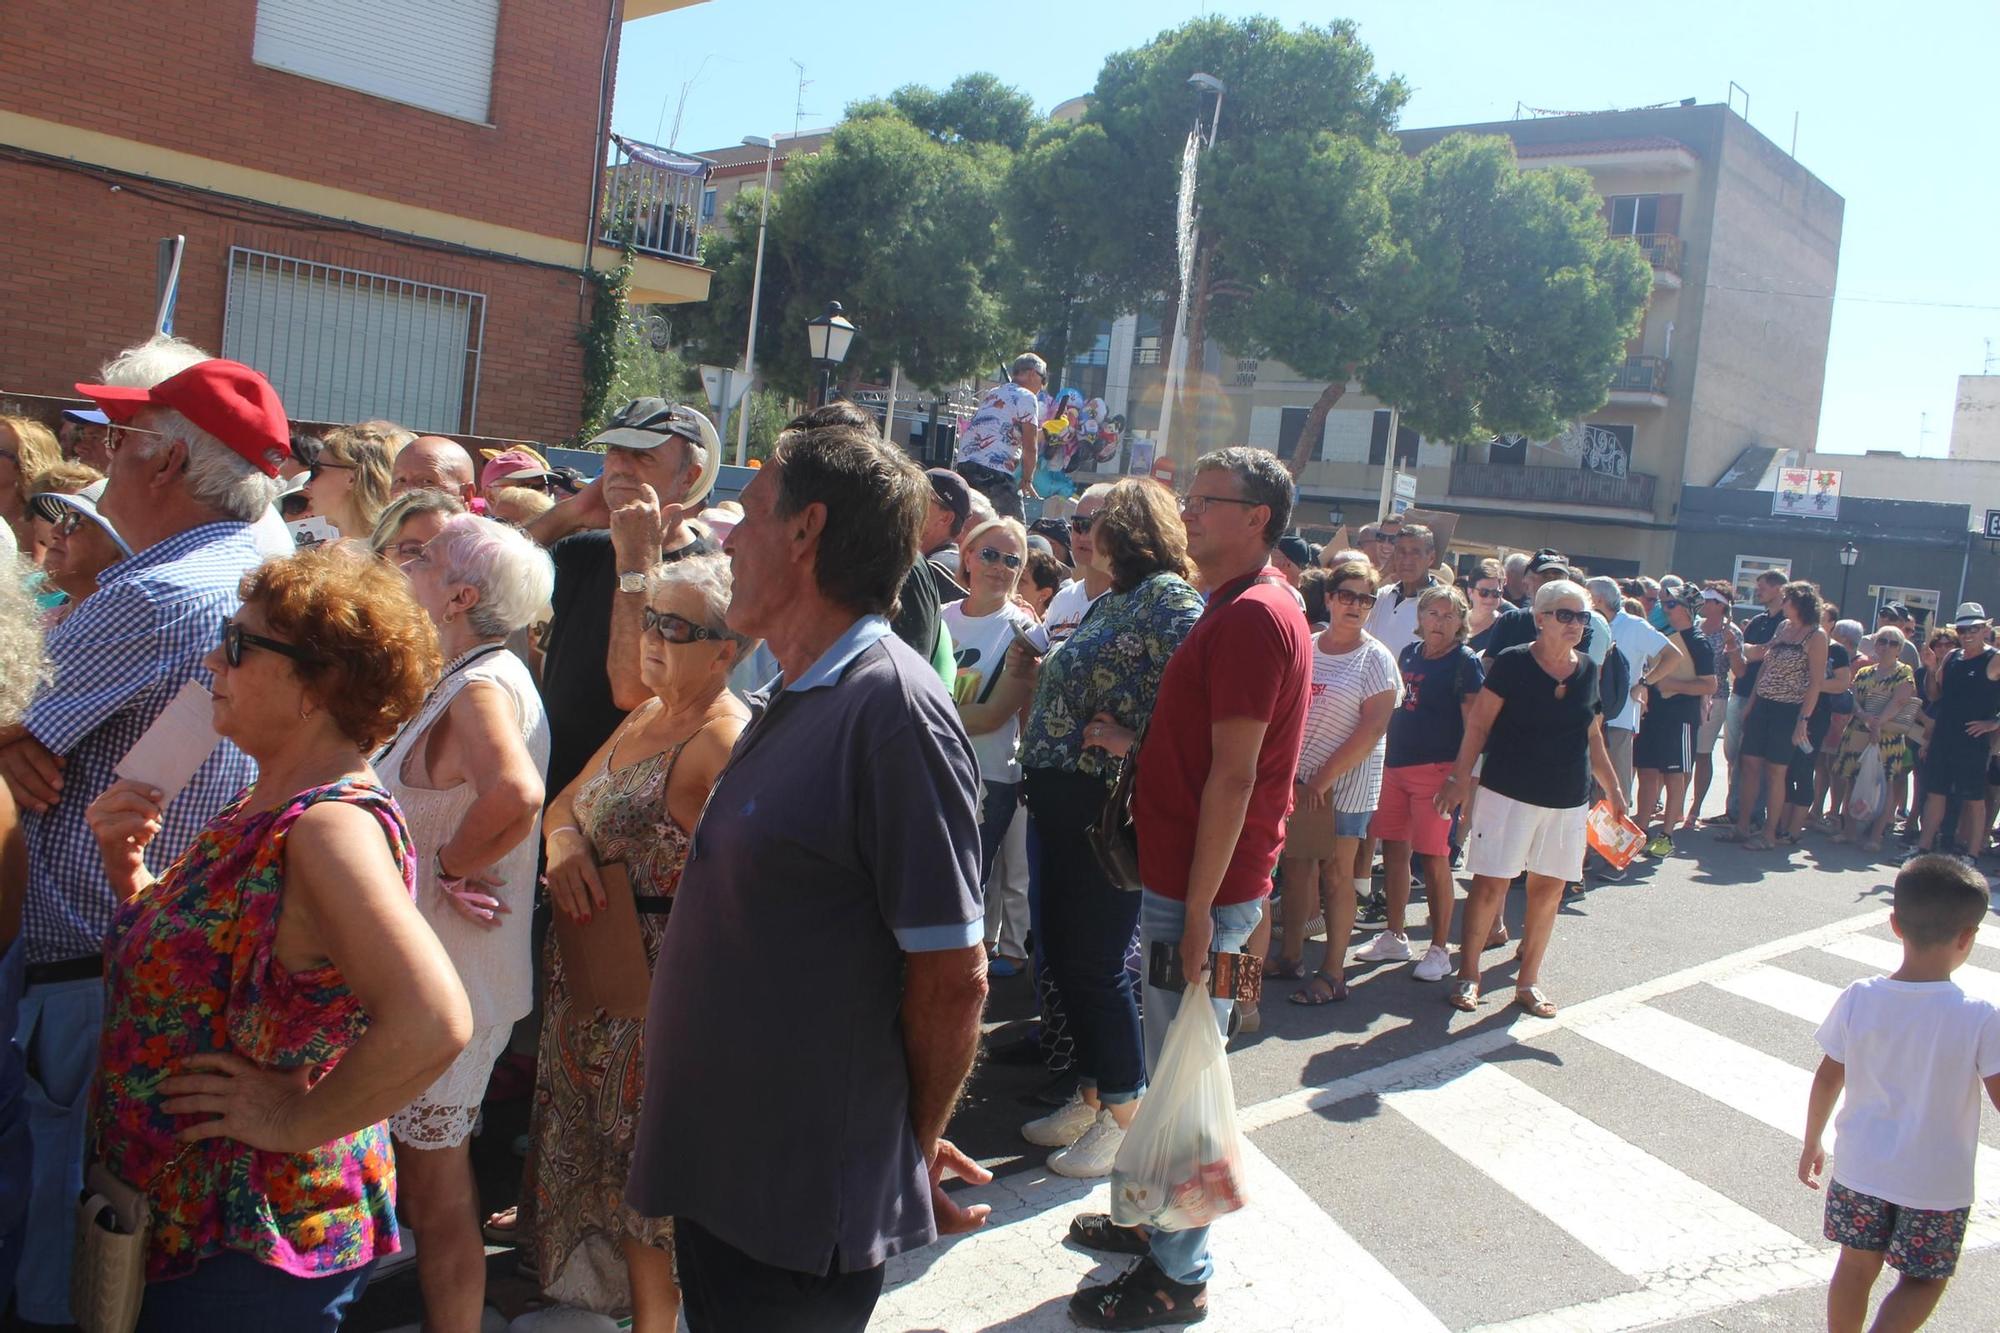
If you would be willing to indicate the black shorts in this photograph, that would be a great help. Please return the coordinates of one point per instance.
(1003, 489)
(1663, 745)
(1955, 767)
(1767, 732)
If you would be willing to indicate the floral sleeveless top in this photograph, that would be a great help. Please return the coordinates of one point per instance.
(190, 969)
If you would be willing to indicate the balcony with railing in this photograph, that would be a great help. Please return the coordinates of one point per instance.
(1640, 382)
(1663, 251)
(652, 201)
(1552, 485)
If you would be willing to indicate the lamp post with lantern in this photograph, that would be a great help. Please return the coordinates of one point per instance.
(828, 339)
(1850, 556)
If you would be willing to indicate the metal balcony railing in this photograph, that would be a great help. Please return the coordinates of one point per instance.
(652, 200)
(1641, 374)
(1663, 249)
(1552, 485)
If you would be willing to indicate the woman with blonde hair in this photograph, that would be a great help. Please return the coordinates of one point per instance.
(27, 449)
(348, 484)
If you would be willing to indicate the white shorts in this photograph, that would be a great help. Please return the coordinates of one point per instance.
(1509, 836)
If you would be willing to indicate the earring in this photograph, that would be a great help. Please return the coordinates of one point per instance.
(305, 714)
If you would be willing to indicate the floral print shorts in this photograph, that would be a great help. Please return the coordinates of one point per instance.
(1921, 1242)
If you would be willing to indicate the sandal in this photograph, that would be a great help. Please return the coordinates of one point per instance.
(1536, 1003)
(1140, 1297)
(503, 1227)
(1464, 996)
(1096, 1231)
(1336, 989)
(1733, 834)
(1496, 938)
(1760, 843)
(1277, 969)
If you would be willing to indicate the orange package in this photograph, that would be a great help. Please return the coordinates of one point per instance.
(1616, 838)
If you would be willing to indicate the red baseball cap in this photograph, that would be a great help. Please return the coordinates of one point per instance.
(225, 398)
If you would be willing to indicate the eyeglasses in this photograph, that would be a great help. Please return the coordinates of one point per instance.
(405, 553)
(1672, 604)
(235, 638)
(1565, 616)
(990, 556)
(1080, 523)
(670, 628)
(1194, 506)
(115, 438)
(1486, 593)
(313, 471)
(1349, 597)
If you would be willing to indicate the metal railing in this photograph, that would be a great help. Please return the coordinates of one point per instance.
(1641, 374)
(1552, 485)
(1663, 250)
(652, 200)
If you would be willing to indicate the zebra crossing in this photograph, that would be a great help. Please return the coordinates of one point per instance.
(1525, 1200)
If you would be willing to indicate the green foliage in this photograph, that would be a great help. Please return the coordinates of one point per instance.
(600, 338)
(976, 108)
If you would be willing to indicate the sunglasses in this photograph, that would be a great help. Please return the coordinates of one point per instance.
(1486, 593)
(116, 436)
(1565, 616)
(990, 556)
(295, 504)
(1672, 604)
(1080, 523)
(1349, 597)
(315, 469)
(65, 523)
(670, 628)
(235, 639)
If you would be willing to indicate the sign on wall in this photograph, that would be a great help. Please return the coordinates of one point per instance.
(1993, 525)
(1806, 492)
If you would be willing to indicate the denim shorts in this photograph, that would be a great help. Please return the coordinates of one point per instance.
(1921, 1242)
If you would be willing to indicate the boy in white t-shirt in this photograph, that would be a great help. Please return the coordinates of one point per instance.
(1911, 1050)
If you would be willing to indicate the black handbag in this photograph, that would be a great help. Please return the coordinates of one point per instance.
(1114, 839)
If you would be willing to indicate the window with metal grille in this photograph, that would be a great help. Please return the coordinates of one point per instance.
(1147, 353)
(340, 344)
(1246, 369)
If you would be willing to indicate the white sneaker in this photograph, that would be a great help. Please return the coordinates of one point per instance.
(1059, 1129)
(1436, 964)
(1386, 947)
(1092, 1155)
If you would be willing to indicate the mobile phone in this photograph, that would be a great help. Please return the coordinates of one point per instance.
(1036, 637)
(1231, 976)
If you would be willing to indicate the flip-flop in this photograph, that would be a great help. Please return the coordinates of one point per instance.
(1336, 991)
(503, 1227)
(1463, 996)
(1536, 1003)
(1732, 834)
(1277, 969)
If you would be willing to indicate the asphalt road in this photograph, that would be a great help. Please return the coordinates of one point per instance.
(1629, 1164)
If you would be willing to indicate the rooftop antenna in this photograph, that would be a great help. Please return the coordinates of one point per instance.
(1991, 358)
(1735, 88)
(1923, 431)
(799, 107)
(680, 105)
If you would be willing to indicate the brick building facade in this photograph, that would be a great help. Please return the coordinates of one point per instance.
(373, 238)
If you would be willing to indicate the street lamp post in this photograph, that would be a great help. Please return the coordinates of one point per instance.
(770, 148)
(1850, 556)
(828, 338)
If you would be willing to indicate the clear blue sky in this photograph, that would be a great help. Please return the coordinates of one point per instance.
(1896, 113)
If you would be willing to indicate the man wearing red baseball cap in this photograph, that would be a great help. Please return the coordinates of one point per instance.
(192, 467)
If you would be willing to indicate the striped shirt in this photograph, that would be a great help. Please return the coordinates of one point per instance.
(118, 659)
(1341, 683)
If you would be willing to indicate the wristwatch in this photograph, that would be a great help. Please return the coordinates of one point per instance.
(632, 580)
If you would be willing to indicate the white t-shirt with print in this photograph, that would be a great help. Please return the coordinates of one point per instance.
(981, 644)
(1915, 1052)
(993, 437)
(1066, 610)
(1341, 683)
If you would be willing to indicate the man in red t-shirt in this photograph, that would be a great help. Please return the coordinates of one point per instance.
(1214, 788)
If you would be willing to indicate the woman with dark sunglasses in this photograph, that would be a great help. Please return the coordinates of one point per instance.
(1487, 598)
(1540, 724)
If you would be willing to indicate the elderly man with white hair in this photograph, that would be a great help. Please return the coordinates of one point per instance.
(1651, 656)
(193, 467)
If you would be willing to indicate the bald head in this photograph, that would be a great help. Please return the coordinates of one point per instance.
(433, 463)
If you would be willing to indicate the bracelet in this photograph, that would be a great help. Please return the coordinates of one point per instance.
(549, 833)
(446, 880)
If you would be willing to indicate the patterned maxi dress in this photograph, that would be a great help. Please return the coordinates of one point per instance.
(588, 1074)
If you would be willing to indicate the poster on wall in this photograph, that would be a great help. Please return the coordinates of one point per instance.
(1748, 567)
(1806, 492)
(1141, 463)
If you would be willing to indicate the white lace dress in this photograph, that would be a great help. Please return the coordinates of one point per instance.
(493, 961)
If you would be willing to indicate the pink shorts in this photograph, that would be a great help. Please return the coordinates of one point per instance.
(1406, 814)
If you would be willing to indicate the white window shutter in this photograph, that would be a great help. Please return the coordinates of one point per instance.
(435, 54)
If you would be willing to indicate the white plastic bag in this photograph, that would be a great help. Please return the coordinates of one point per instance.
(1871, 787)
(1181, 1165)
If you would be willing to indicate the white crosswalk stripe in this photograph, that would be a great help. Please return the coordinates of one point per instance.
(1675, 1244)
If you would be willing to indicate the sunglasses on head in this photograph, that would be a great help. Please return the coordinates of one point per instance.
(671, 628)
(235, 639)
(1565, 616)
(992, 556)
(1349, 597)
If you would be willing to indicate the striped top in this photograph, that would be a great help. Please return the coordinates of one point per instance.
(1341, 683)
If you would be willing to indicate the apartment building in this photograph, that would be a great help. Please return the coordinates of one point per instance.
(388, 209)
(741, 166)
(1744, 244)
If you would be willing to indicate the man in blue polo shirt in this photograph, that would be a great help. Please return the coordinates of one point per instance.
(816, 1005)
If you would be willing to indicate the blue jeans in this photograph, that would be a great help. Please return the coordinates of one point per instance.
(1086, 930)
(233, 1293)
(16, 1158)
(1183, 1255)
(997, 804)
(59, 1030)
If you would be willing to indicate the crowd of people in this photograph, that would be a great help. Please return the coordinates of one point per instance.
(852, 740)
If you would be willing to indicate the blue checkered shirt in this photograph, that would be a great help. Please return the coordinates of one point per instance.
(119, 658)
